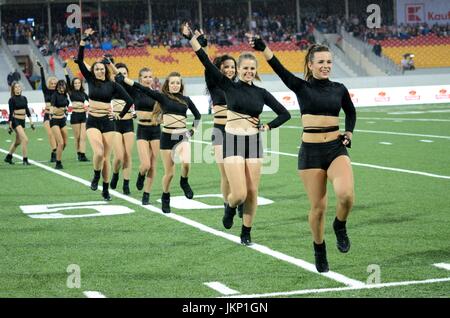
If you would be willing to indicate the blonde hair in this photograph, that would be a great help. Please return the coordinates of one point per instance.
(51, 78)
(248, 56)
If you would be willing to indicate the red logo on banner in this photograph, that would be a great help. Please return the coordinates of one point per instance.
(443, 94)
(415, 13)
(288, 101)
(382, 97)
(412, 95)
(353, 98)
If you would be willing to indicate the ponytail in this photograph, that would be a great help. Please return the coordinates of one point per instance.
(312, 49)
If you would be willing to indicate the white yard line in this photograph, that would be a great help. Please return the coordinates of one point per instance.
(405, 119)
(443, 266)
(260, 248)
(221, 288)
(93, 294)
(340, 289)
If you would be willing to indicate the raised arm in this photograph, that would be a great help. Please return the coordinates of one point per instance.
(293, 82)
(156, 95)
(80, 59)
(278, 108)
(43, 81)
(214, 73)
(66, 75)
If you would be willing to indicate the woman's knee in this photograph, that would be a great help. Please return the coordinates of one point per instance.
(345, 197)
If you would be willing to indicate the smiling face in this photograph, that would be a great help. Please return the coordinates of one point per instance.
(247, 70)
(17, 90)
(321, 65)
(228, 67)
(174, 84)
(99, 71)
(77, 84)
(146, 78)
(52, 81)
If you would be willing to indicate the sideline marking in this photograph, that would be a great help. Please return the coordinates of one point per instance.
(443, 265)
(385, 143)
(93, 294)
(257, 247)
(337, 289)
(221, 288)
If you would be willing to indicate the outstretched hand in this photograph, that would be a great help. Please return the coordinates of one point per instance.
(87, 34)
(201, 38)
(256, 42)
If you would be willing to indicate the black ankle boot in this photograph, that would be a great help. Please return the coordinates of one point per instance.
(320, 254)
(105, 192)
(140, 181)
(228, 216)
(8, 159)
(83, 157)
(245, 236)
(114, 180)
(53, 156)
(342, 240)
(58, 165)
(186, 187)
(126, 187)
(240, 209)
(145, 198)
(79, 156)
(94, 182)
(165, 201)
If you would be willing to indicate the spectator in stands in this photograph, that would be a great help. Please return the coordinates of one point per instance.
(408, 62)
(377, 49)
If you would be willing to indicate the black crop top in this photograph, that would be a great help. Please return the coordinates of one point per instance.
(60, 100)
(245, 98)
(217, 94)
(76, 96)
(142, 101)
(103, 91)
(17, 102)
(48, 93)
(318, 97)
(171, 106)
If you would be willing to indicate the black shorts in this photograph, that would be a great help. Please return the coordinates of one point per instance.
(170, 141)
(61, 122)
(148, 133)
(320, 155)
(243, 146)
(124, 126)
(77, 118)
(104, 123)
(46, 117)
(217, 135)
(17, 122)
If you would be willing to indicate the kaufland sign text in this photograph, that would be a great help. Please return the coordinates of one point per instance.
(426, 11)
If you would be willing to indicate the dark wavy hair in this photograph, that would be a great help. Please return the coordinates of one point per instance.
(309, 57)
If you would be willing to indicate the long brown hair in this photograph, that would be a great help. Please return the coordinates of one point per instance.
(312, 49)
(157, 113)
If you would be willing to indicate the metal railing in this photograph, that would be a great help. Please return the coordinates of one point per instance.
(11, 60)
(338, 53)
(385, 64)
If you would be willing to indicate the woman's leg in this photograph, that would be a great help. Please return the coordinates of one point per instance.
(96, 140)
(154, 151)
(169, 170)
(235, 170)
(20, 132)
(128, 139)
(183, 150)
(315, 183)
(118, 154)
(51, 138)
(56, 130)
(224, 185)
(76, 128)
(341, 176)
(83, 141)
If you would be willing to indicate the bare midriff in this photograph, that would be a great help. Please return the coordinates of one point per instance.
(220, 114)
(241, 124)
(144, 118)
(47, 108)
(78, 107)
(174, 124)
(19, 113)
(317, 122)
(98, 109)
(118, 105)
